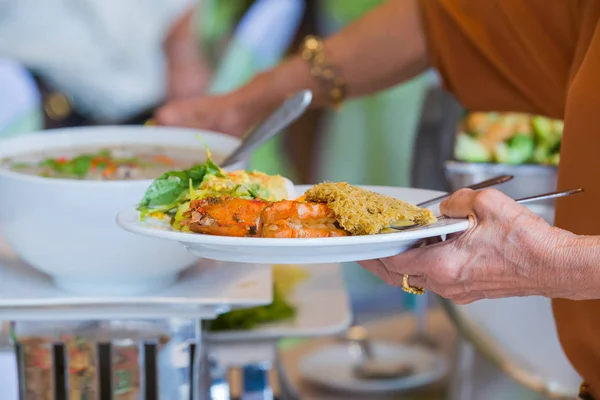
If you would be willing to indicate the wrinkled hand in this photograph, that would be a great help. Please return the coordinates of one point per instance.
(506, 252)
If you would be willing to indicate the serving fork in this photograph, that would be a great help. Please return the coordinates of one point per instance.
(523, 200)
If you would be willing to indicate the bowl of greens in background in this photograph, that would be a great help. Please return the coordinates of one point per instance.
(492, 144)
(59, 215)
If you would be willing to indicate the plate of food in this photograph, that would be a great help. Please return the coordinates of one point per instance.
(252, 217)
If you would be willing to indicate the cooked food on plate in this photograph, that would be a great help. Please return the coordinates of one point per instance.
(173, 192)
(227, 216)
(106, 163)
(509, 138)
(207, 200)
(362, 212)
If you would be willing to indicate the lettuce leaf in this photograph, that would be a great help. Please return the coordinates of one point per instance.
(170, 189)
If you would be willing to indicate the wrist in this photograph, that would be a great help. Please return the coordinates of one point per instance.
(268, 89)
(581, 261)
(570, 265)
(181, 53)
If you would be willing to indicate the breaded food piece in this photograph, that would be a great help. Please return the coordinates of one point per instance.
(362, 212)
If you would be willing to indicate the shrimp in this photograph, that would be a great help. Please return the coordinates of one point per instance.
(226, 216)
(293, 219)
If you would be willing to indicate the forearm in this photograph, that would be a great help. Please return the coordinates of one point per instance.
(385, 47)
(188, 74)
(181, 44)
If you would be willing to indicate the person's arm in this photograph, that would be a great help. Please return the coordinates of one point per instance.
(493, 55)
(385, 47)
(188, 72)
(577, 257)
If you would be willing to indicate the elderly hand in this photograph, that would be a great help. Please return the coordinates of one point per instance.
(507, 251)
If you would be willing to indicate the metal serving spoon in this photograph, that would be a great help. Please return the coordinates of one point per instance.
(368, 366)
(280, 119)
(524, 200)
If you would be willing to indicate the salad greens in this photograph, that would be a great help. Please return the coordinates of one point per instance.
(517, 150)
(285, 280)
(469, 149)
(509, 138)
(169, 190)
(248, 318)
(172, 192)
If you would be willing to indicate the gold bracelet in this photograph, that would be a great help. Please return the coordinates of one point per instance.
(312, 51)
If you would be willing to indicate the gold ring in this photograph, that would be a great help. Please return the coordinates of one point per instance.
(410, 289)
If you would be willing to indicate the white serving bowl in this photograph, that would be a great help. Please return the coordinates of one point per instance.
(67, 229)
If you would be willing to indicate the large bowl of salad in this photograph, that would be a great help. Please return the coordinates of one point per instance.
(492, 144)
(509, 138)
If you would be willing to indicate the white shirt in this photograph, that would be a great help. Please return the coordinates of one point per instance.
(107, 55)
(18, 93)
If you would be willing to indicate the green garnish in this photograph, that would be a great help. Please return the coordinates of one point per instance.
(78, 166)
(169, 190)
(248, 318)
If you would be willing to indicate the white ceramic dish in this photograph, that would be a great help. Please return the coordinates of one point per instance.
(204, 290)
(66, 228)
(322, 304)
(299, 251)
(332, 368)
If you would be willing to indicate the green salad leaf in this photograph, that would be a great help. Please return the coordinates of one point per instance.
(166, 189)
(248, 318)
(169, 190)
(82, 164)
(469, 149)
(78, 166)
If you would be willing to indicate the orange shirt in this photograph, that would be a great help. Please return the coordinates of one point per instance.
(536, 56)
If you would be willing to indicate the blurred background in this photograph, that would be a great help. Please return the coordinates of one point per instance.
(98, 62)
(106, 62)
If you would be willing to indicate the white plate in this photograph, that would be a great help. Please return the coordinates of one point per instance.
(332, 367)
(208, 287)
(322, 304)
(299, 251)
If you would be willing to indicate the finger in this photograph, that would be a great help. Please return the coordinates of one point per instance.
(419, 281)
(460, 204)
(461, 297)
(167, 115)
(429, 241)
(419, 261)
(464, 300)
(379, 269)
(483, 204)
(177, 113)
(453, 236)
